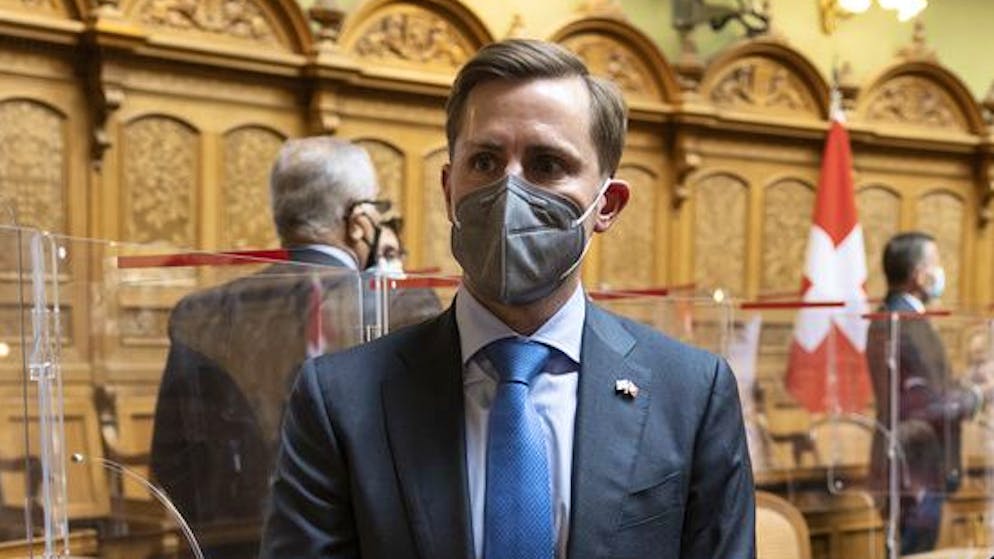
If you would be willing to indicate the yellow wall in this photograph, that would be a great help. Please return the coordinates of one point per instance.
(958, 30)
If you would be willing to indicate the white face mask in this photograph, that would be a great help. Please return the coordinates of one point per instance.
(390, 268)
(937, 284)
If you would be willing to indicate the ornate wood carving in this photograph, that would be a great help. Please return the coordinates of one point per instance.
(413, 36)
(436, 229)
(609, 58)
(941, 214)
(389, 164)
(720, 232)
(786, 221)
(879, 215)
(329, 17)
(238, 19)
(33, 164)
(914, 101)
(39, 5)
(159, 179)
(757, 83)
(144, 326)
(248, 156)
(628, 250)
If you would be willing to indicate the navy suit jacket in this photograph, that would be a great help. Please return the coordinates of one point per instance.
(372, 460)
(234, 351)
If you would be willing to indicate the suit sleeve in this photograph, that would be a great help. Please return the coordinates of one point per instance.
(310, 512)
(932, 395)
(720, 518)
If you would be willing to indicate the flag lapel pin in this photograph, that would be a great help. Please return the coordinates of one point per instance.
(626, 388)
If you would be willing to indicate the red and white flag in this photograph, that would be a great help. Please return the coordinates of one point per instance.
(827, 368)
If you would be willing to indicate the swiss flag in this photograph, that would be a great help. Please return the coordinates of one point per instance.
(827, 369)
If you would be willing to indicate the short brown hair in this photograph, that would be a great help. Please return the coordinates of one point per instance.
(527, 59)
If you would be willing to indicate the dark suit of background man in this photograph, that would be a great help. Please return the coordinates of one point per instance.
(235, 348)
(601, 438)
(931, 404)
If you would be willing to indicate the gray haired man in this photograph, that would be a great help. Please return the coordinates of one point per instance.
(235, 348)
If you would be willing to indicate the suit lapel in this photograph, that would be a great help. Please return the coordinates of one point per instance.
(607, 434)
(423, 405)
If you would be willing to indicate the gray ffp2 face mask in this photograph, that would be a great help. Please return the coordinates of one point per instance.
(517, 242)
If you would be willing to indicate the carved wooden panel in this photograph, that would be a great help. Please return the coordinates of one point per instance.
(37, 6)
(408, 35)
(787, 210)
(628, 249)
(240, 20)
(159, 180)
(941, 214)
(914, 101)
(436, 229)
(720, 232)
(389, 164)
(247, 219)
(879, 214)
(760, 84)
(609, 58)
(33, 164)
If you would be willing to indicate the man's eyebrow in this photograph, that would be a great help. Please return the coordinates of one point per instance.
(559, 148)
(488, 145)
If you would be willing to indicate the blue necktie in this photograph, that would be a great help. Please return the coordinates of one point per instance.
(518, 508)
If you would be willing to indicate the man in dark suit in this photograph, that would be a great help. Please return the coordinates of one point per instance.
(930, 403)
(234, 348)
(524, 422)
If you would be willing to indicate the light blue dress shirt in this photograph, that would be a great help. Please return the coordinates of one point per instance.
(553, 393)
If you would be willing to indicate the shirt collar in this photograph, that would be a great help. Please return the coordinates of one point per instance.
(478, 327)
(915, 302)
(347, 259)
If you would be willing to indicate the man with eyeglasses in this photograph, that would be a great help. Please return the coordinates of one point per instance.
(234, 348)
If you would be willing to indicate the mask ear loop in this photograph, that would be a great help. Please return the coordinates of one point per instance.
(580, 220)
(590, 209)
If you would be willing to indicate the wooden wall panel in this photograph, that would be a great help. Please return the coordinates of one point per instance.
(246, 216)
(160, 180)
(436, 221)
(786, 225)
(389, 162)
(628, 250)
(880, 216)
(721, 209)
(941, 214)
(33, 163)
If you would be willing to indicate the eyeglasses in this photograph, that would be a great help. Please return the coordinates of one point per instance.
(381, 206)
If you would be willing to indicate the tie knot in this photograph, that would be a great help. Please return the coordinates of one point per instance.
(517, 360)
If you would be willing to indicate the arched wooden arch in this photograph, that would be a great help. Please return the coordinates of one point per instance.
(270, 25)
(433, 36)
(765, 75)
(919, 94)
(613, 48)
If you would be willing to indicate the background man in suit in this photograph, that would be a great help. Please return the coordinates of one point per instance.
(234, 348)
(931, 404)
(524, 422)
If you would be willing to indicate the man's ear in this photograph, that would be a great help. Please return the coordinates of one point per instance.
(615, 199)
(446, 189)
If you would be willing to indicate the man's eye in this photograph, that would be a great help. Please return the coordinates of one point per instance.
(548, 166)
(484, 163)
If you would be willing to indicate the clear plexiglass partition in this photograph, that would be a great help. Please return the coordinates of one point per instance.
(146, 386)
(931, 443)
